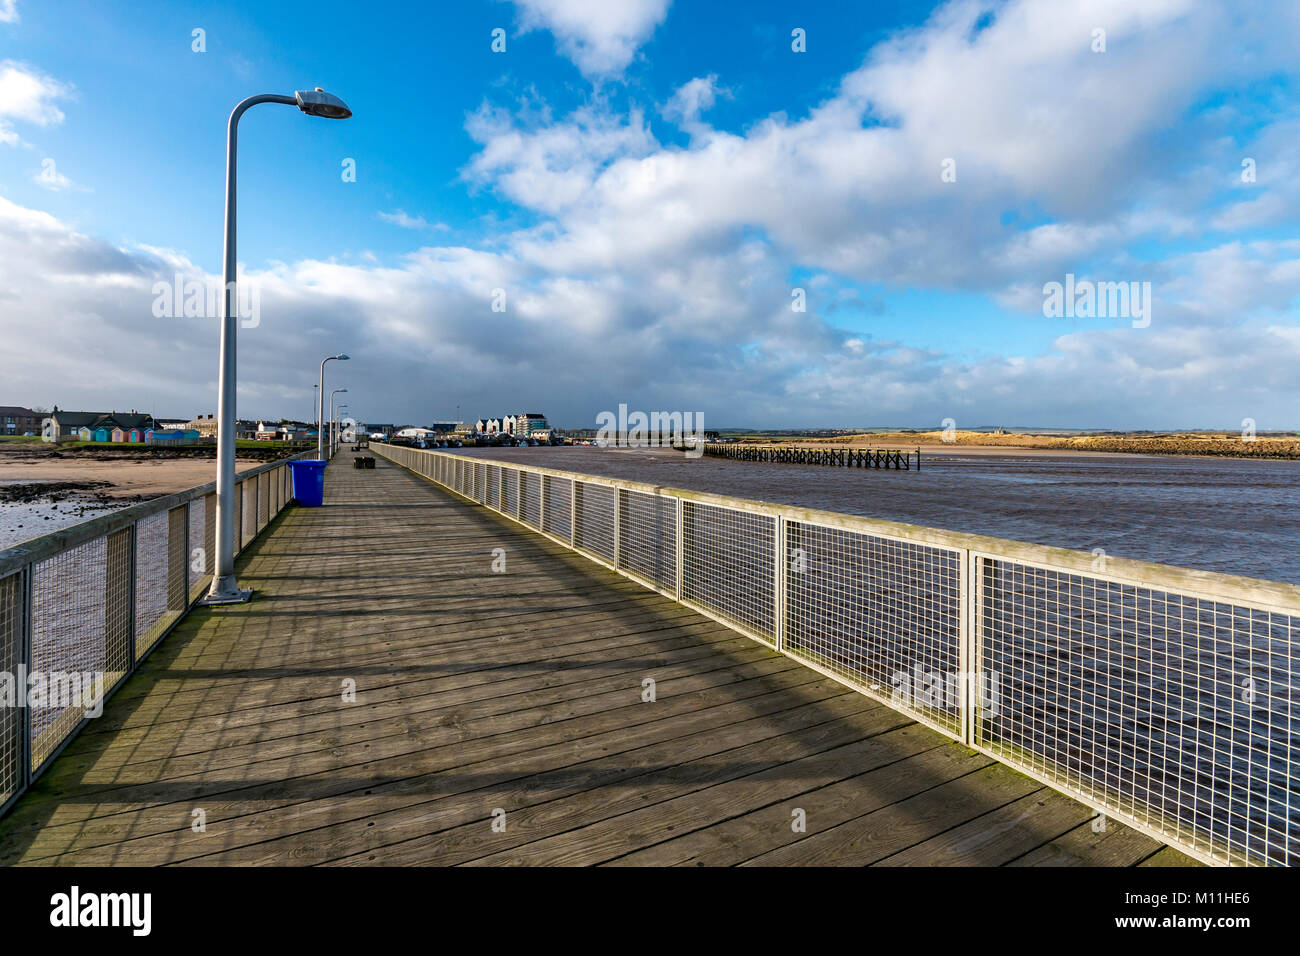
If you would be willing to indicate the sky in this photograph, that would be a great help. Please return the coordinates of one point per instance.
(830, 214)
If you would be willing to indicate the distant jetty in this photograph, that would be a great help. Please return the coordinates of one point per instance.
(895, 458)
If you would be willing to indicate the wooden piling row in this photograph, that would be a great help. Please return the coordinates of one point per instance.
(832, 457)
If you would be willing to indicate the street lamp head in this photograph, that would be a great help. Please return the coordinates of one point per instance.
(319, 103)
(342, 357)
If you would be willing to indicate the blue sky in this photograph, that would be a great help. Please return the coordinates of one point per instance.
(648, 182)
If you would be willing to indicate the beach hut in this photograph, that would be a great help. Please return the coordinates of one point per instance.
(148, 435)
(101, 434)
(84, 433)
(119, 436)
(134, 436)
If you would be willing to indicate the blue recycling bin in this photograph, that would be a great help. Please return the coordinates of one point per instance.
(308, 482)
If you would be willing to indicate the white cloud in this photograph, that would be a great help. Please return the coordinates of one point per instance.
(399, 217)
(600, 36)
(27, 95)
(693, 98)
(8, 11)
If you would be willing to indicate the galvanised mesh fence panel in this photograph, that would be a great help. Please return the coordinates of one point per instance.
(559, 506)
(248, 495)
(68, 639)
(1182, 713)
(119, 641)
(197, 557)
(881, 614)
(153, 614)
(238, 495)
(13, 601)
(511, 505)
(728, 564)
(493, 499)
(648, 537)
(263, 501)
(532, 492)
(210, 530)
(595, 530)
(178, 582)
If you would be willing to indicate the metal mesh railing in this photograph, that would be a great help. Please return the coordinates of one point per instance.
(728, 563)
(882, 614)
(1177, 709)
(559, 506)
(1167, 699)
(532, 495)
(648, 537)
(595, 522)
(13, 599)
(81, 608)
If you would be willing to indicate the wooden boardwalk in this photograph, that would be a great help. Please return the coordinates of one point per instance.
(512, 698)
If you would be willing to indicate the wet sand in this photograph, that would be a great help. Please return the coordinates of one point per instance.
(68, 488)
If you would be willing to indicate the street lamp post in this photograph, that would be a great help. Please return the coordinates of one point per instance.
(332, 394)
(320, 409)
(338, 429)
(225, 589)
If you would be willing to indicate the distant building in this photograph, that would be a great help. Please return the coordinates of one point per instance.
(15, 420)
(205, 425)
(97, 426)
(508, 424)
(529, 424)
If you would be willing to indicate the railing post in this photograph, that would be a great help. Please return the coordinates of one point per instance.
(778, 584)
(541, 504)
(26, 657)
(130, 587)
(619, 498)
(573, 512)
(969, 684)
(680, 546)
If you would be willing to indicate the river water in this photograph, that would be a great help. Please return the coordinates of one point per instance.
(1216, 514)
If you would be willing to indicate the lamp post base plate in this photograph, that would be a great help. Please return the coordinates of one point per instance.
(237, 596)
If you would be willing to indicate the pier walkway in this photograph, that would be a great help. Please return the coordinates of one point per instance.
(499, 718)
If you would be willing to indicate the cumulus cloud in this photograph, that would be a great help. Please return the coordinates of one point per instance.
(599, 36)
(8, 11)
(27, 95)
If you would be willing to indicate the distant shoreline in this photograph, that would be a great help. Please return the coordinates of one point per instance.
(1199, 445)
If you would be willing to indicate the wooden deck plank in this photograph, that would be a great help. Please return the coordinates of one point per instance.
(519, 690)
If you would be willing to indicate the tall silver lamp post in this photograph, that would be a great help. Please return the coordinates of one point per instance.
(320, 409)
(332, 394)
(338, 431)
(225, 589)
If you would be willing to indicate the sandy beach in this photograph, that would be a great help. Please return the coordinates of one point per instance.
(43, 488)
